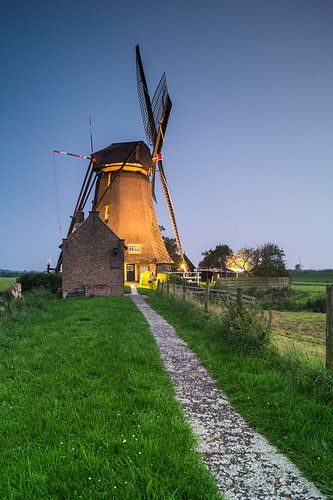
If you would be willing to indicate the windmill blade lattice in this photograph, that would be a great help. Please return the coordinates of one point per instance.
(159, 101)
(144, 100)
(171, 211)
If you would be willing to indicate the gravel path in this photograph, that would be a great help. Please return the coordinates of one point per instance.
(243, 463)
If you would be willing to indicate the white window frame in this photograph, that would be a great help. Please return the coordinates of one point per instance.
(134, 248)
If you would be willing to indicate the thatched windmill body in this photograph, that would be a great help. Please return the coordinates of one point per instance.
(124, 178)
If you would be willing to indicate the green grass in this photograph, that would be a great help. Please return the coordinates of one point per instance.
(301, 297)
(288, 399)
(6, 283)
(324, 276)
(309, 288)
(306, 289)
(300, 293)
(300, 331)
(87, 409)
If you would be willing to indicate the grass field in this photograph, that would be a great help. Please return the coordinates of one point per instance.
(324, 276)
(5, 283)
(309, 288)
(287, 398)
(87, 409)
(300, 331)
(302, 292)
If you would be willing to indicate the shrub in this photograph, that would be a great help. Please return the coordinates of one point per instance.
(48, 281)
(279, 300)
(145, 278)
(212, 284)
(162, 278)
(176, 279)
(247, 328)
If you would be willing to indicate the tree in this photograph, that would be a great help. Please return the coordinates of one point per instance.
(270, 261)
(171, 246)
(266, 260)
(172, 249)
(243, 261)
(216, 257)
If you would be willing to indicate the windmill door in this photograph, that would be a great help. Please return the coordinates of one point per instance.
(130, 272)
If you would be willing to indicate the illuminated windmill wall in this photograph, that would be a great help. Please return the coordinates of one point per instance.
(124, 201)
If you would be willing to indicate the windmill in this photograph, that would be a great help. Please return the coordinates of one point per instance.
(299, 266)
(123, 175)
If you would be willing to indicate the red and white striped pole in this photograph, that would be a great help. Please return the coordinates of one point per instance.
(72, 154)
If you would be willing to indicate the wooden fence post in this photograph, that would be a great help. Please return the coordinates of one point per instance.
(168, 286)
(239, 296)
(206, 296)
(329, 327)
(184, 288)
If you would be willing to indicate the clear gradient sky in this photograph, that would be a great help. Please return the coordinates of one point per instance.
(249, 148)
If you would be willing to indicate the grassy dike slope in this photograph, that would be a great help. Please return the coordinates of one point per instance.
(88, 411)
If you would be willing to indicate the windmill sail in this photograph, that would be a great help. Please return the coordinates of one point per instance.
(159, 100)
(171, 211)
(155, 116)
(144, 100)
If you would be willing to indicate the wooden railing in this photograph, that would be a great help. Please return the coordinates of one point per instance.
(191, 277)
(248, 283)
(207, 295)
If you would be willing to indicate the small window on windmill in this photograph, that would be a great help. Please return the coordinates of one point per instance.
(134, 248)
(115, 251)
(106, 213)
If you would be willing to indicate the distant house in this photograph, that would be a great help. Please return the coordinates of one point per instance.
(93, 259)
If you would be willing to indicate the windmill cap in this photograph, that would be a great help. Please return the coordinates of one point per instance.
(119, 152)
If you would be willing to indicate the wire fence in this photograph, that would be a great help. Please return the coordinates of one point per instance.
(209, 296)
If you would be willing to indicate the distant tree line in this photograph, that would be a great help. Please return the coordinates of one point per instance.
(7, 273)
(264, 260)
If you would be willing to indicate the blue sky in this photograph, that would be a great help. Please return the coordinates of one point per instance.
(249, 150)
